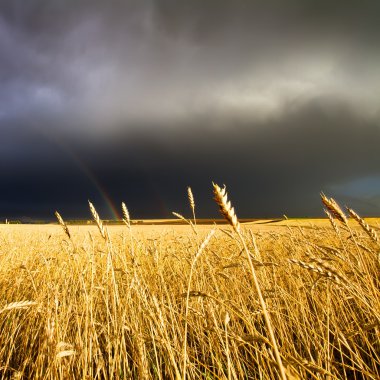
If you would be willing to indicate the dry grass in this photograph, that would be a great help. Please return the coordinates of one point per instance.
(165, 302)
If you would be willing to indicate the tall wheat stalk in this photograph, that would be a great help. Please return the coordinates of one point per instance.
(63, 224)
(226, 209)
(196, 257)
(98, 221)
(334, 209)
(127, 222)
(364, 225)
(126, 216)
(191, 202)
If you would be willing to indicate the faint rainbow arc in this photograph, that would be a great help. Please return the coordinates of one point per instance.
(84, 169)
(103, 193)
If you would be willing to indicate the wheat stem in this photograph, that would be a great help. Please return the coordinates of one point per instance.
(191, 202)
(63, 224)
(196, 257)
(98, 221)
(228, 212)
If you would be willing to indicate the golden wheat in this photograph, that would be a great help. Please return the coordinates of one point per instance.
(126, 216)
(332, 221)
(63, 224)
(98, 221)
(18, 305)
(333, 207)
(190, 306)
(221, 198)
(191, 198)
(365, 226)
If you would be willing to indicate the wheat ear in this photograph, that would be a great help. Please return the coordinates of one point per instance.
(126, 217)
(332, 221)
(334, 209)
(18, 305)
(179, 216)
(363, 224)
(63, 224)
(323, 269)
(221, 198)
(98, 221)
(191, 202)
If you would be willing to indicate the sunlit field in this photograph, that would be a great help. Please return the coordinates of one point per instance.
(264, 300)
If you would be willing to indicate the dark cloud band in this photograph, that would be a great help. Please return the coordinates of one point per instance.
(135, 100)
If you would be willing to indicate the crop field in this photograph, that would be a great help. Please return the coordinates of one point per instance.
(295, 299)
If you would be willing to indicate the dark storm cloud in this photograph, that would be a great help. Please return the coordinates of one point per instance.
(273, 168)
(279, 100)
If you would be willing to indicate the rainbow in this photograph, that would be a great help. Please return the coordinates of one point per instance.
(84, 169)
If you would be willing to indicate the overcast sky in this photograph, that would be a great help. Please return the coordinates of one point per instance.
(135, 100)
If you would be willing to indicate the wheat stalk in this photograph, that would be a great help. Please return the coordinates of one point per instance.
(191, 198)
(18, 305)
(64, 349)
(203, 245)
(334, 209)
(195, 259)
(221, 198)
(126, 217)
(63, 224)
(332, 221)
(366, 227)
(179, 216)
(65, 353)
(323, 269)
(98, 221)
(191, 202)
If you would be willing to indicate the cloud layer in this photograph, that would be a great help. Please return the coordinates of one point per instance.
(138, 99)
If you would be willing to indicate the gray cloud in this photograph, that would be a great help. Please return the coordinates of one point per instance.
(278, 100)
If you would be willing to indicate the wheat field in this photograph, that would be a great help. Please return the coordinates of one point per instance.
(298, 299)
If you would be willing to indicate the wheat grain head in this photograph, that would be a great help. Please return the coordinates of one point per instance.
(364, 225)
(126, 217)
(98, 221)
(221, 198)
(63, 224)
(333, 207)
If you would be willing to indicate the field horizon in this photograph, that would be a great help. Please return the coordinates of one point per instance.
(178, 221)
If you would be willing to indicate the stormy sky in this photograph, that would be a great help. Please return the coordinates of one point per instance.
(135, 100)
